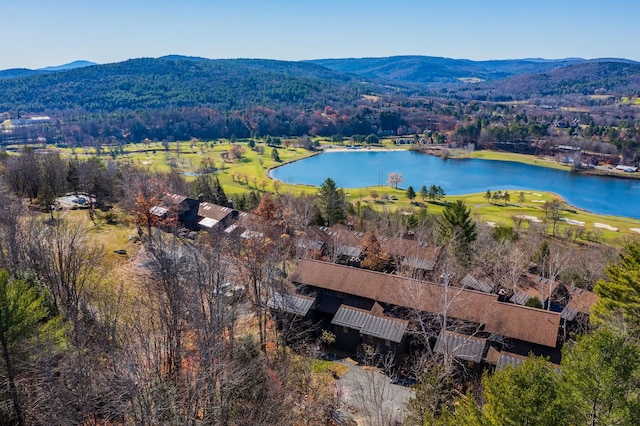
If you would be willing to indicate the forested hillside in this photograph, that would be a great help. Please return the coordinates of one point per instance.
(427, 69)
(175, 83)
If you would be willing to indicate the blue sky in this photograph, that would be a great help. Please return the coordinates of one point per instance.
(38, 33)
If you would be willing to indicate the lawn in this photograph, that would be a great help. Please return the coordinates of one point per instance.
(519, 158)
(251, 173)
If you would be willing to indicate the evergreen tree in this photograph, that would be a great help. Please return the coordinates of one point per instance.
(424, 193)
(275, 156)
(601, 377)
(23, 315)
(620, 292)
(331, 202)
(457, 224)
(411, 194)
(488, 196)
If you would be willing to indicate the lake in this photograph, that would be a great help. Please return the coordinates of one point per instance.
(357, 169)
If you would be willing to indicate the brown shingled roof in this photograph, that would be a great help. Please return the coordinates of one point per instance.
(509, 320)
(213, 211)
(582, 300)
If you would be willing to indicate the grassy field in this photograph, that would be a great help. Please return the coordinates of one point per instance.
(519, 158)
(251, 173)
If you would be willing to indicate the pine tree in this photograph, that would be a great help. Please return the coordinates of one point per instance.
(411, 194)
(620, 292)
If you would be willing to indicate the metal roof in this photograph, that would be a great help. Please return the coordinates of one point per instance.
(468, 348)
(208, 222)
(293, 304)
(310, 244)
(349, 251)
(507, 358)
(386, 328)
(349, 317)
(470, 282)
(418, 263)
(520, 298)
(568, 314)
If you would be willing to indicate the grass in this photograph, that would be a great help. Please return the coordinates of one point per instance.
(188, 157)
(322, 366)
(519, 158)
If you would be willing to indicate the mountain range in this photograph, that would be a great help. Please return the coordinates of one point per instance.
(232, 84)
(22, 72)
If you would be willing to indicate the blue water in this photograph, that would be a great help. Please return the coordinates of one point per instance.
(604, 195)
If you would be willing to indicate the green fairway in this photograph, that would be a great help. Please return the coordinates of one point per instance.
(250, 172)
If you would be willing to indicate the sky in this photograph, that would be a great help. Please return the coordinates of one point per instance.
(39, 33)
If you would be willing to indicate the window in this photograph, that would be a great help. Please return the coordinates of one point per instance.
(345, 330)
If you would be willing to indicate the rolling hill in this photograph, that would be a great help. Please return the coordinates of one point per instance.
(428, 69)
(234, 84)
(176, 82)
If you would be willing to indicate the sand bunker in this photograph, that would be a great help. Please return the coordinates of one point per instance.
(529, 218)
(605, 226)
(491, 224)
(573, 222)
(636, 230)
(538, 201)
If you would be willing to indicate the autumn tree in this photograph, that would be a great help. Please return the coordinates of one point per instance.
(394, 179)
(236, 152)
(268, 210)
(375, 258)
(66, 261)
(553, 211)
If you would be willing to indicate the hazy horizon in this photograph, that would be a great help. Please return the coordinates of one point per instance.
(44, 33)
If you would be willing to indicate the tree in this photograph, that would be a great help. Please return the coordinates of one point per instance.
(236, 152)
(268, 210)
(553, 211)
(275, 156)
(424, 193)
(411, 194)
(600, 378)
(620, 292)
(456, 223)
(394, 179)
(372, 139)
(521, 198)
(434, 392)
(487, 196)
(331, 202)
(23, 314)
(375, 258)
(526, 394)
(435, 192)
(522, 395)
